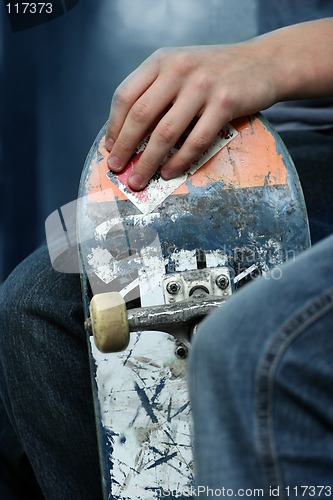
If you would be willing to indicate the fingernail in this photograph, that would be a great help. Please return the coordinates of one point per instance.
(167, 174)
(109, 144)
(114, 163)
(136, 182)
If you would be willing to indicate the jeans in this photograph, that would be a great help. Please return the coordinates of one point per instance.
(261, 378)
(45, 384)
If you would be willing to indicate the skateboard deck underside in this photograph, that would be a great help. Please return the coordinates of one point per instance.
(243, 208)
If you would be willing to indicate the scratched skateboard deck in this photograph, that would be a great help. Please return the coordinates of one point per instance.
(173, 253)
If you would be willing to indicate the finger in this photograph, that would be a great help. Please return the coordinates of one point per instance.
(127, 93)
(143, 114)
(198, 141)
(165, 135)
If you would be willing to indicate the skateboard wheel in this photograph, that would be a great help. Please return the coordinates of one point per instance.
(109, 322)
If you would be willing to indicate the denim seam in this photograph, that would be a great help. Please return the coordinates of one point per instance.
(265, 382)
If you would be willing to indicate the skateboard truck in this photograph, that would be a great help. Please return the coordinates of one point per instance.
(189, 297)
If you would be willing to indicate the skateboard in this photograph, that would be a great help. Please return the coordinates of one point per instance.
(153, 264)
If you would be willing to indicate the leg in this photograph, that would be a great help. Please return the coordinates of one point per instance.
(261, 378)
(45, 379)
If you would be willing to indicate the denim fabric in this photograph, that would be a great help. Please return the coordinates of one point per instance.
(45, 383)
(261, 378)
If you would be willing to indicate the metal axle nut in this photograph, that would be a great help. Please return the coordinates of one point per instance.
(173, 287)
(222, 281)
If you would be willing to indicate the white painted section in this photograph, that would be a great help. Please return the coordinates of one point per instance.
(103, 264)
(185, 260)
(144, 401)
(245, 273)
(216, 258)
(143, 391)
(151, 275)
(149, 260)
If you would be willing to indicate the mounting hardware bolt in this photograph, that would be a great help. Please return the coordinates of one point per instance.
(173, 287)
(88, 325)
(222, 281)
(181, 351)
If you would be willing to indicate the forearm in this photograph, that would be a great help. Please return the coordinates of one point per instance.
(299, 59)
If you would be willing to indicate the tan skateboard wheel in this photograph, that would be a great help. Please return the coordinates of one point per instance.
(109, 322)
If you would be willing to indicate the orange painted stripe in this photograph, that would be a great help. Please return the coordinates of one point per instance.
(249, 160)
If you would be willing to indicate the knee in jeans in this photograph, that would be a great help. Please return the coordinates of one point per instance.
(18, 293)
